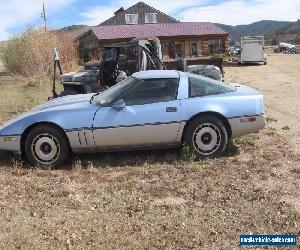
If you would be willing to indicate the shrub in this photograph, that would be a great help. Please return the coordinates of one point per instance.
(187, 155)
(30, 53)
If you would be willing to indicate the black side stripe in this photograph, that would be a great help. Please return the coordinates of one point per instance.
(145, 124)
(234, 117)
(85, 138)
(79, 138)
(124, 126)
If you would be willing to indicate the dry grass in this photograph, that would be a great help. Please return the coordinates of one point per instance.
(147, 200)
(31, 53)
(1, 66)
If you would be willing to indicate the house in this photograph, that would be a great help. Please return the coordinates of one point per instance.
(178, 39)
(139, 13)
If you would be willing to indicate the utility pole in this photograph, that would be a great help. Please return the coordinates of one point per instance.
(44, 17)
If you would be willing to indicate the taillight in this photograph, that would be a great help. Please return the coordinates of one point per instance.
(248, 119)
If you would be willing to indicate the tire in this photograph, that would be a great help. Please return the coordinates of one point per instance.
(46, 146)
(206, 136)
(68, 92)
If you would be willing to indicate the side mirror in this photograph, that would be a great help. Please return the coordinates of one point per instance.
(119, 105)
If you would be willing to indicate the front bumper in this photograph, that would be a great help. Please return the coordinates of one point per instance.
(246, 125)
(10, 143)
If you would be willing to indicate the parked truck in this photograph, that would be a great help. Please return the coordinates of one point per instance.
(286, 48)
(252, 50)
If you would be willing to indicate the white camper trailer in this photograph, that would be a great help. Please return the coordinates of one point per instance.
(252, 50)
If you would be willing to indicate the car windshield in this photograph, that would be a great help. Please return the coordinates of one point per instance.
(111, 94)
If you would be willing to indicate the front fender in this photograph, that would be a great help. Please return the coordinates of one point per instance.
(66, 120)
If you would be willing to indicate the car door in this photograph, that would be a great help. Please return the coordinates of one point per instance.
(152, 116)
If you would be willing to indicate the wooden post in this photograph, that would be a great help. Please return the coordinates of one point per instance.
(205, 47)
(226, 43)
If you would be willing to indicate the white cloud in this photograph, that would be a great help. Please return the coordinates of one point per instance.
(99, 14)
(168, 6)
(18, 13)
(244, 12)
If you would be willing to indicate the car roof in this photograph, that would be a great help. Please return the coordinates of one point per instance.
(150, 74)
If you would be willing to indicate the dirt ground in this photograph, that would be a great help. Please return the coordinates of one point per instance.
(156, 199)
(279, 82)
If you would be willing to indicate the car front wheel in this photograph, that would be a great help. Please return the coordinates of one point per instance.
(46, 146)
(206, 136)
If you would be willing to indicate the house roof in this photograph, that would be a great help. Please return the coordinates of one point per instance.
(157, 30)
(139, 8)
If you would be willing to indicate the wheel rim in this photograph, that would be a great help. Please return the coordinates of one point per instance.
(206, 139)
(45, 148)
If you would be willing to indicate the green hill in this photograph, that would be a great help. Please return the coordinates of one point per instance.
(75, 30)
(253, 29)
(289, 33)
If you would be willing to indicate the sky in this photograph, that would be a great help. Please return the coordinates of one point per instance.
(17, 15)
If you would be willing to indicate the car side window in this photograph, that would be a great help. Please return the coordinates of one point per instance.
(152, 91)
(205, 86)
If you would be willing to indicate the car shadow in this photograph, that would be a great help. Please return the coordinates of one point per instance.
(6, 158)
(116, 159)
(138, 158)
(128, 158)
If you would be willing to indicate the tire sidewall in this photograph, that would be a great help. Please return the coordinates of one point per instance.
(59, 136)
(194, 125)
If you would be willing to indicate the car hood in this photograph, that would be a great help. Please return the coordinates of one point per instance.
(64, 101)
(58, 104)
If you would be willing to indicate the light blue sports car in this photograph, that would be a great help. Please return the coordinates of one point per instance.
(150, 109)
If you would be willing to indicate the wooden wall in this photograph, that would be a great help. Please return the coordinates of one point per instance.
(202, 43)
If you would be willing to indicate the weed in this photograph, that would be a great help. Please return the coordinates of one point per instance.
(77, 164)
(129, 185)
(286, 128)
(231, 149)
(247, 140)
(187, 155)
(271, 119)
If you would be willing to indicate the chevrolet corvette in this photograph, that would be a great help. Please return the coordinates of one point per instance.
(150, 109)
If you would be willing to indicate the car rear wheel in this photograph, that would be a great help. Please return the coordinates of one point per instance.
(46, 146)
(206, 136)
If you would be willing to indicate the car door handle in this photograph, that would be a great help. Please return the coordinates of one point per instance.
(171, 109)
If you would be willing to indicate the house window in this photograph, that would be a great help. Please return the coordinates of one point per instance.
(194, 49)
(150, 18)
(179, 49)
(131, 18)
(216, 46)
(173, 50)
(168, 49)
